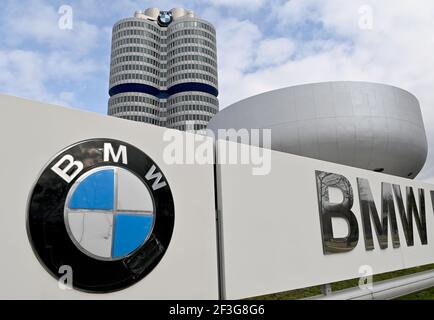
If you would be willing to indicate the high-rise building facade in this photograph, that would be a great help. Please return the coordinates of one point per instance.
(164, 69)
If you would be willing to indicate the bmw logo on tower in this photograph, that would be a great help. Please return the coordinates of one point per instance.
(165, 18)
(105, 209)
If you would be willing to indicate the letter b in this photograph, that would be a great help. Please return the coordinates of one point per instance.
(329, 210)
(65, 173)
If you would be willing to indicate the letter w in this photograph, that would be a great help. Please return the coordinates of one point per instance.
(407, 212)
(151, 175)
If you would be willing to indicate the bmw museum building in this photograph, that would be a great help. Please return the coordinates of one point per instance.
(93, 208)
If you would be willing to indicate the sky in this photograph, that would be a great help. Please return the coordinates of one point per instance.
(262, 45)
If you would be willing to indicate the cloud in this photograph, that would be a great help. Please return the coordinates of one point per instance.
(20, 71)
(296, 12)
(262, 45)
(274, 51)
(67, 96)
(236, 42)
(244, 4)
(41, 27)
(29, 74)
(329, 44)
(41, 61)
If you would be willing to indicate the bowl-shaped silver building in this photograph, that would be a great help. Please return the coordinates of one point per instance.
(365, 125)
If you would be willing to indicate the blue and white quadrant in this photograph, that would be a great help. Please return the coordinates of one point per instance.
(109, 213)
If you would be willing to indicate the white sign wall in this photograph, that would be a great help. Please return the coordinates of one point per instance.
(31, 135)
(272, 236)
(274, 233)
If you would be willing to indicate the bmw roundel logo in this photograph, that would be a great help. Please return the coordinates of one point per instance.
(105, 209)
(165, 18)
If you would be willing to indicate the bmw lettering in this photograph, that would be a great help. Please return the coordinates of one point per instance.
(104, 208)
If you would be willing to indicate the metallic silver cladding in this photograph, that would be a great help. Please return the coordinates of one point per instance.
(359, 124)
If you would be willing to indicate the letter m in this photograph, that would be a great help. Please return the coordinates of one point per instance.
(109, 152)
(381, 224)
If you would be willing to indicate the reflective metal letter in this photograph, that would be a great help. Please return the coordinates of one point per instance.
(368, 209)
(328, 210)
(407, 215)
(432, 199)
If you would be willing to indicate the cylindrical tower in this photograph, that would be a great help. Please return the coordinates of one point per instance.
(192, 74)
(164, 69)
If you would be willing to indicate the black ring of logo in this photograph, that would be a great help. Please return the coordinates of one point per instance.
(52, 243)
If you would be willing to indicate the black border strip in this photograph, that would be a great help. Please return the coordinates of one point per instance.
(163, 94)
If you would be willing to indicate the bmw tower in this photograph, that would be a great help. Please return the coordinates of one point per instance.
(164, 69)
